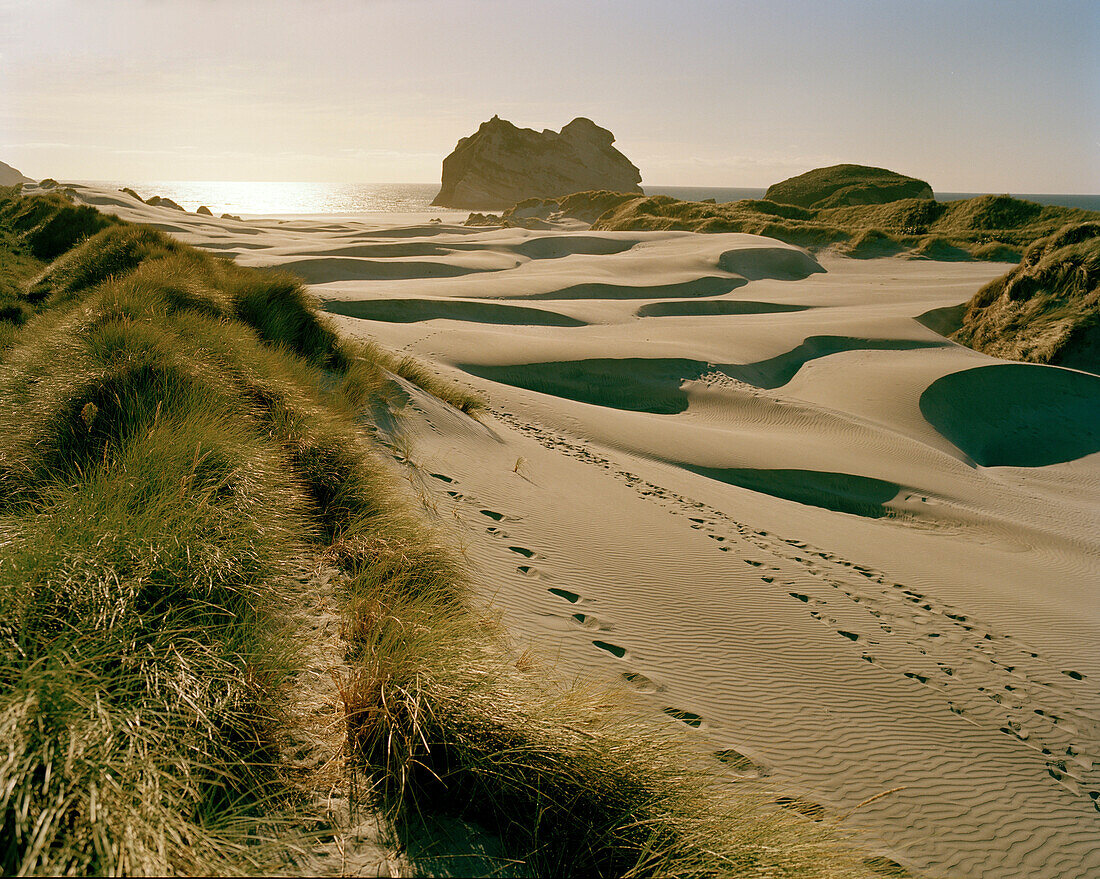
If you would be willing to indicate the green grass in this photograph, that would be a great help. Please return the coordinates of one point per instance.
(990, 227)
(49, 224)
(142, 514)
(840, 185)
(178, 438)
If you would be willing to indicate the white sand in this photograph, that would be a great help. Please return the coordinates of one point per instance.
(911, 621)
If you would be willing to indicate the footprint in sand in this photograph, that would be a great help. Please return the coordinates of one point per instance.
(689, 717)
(523, 551)
(641, 682)
(571, 597)
(492, 514)
(740, 764)
(587, 621)
(1056, 769)
(813, 811)
(614, 649)
(881, 865)
(441, 477)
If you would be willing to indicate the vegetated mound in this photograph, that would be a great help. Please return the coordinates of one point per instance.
(10, 177)
(1047, 309)
(989, 227)
(49, 224)
(840, 185)
(500, 165)
(180, 440)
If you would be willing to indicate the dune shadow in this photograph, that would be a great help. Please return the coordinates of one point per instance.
(232, 245)
(654, 384)
(777, 263)
(706, 286)
(422, 231)
(840, 492)
(414, 310)
(558, 246)
(777, 371)
(636, 384)
(1016, 414)
(321, 270)
(702, 308)
(943, 320)
(388, 251)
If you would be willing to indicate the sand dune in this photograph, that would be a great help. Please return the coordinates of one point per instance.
(855, 560)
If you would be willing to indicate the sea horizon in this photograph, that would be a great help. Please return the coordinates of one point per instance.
(263, 198)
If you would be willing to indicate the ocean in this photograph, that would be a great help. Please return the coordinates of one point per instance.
(266, 199)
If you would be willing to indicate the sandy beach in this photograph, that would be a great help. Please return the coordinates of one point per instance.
(856, 559)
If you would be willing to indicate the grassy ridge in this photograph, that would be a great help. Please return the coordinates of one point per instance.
(176, 435)
(989, 227)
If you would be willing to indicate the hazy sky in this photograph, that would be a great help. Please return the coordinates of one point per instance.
(970, 95)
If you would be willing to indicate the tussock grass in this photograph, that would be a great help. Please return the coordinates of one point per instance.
(569, 780)
(170, 451)
(49, 224)
(1047, 309)
(162, 466)
(990, 227)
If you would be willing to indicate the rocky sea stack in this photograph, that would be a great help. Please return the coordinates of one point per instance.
(841, 185)
(501, 165)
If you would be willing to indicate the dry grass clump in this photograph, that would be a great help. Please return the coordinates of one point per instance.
(1047, 309)
(572, 781)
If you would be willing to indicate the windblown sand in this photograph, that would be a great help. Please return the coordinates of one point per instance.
(856, 559)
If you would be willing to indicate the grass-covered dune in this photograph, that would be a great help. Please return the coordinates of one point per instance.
(184, 445)
(1047, 309)
(840, 185)
(989, 227)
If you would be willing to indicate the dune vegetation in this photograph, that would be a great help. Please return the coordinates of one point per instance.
(1047, 309)
(184, 444)
(990, 227)
(840, 185)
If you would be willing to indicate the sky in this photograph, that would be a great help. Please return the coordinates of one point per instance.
(970, 95)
